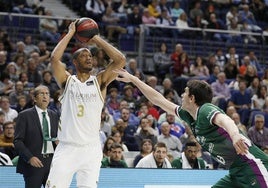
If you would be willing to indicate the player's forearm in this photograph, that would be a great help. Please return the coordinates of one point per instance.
(227, 123)
(112, 52)
(147, 91)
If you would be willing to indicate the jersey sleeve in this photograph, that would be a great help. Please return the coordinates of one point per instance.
(184, 115)
(207, 112)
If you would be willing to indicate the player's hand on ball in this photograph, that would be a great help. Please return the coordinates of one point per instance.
(72, 27)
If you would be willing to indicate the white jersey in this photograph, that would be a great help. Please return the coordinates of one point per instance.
(81, 111)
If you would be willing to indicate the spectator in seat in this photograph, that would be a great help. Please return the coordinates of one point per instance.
(231, 16)
(10, 114)
(132, 119)
(127, 130)
(134, 20)
(220, 58)
(182, 24)
(236, 117)
(215, 23)
(231, 54)
(49, 28)
(95, 9)
(241, 100)
(6, 85)
(153, 10)
(189, 159)
(29, 45)
(162, 61)
(112, 27)
(106, 146)
(198, 69)
(114, 160)
(176, 10)
(117, 136)
(168, 85)
(254, 61)
(245, 15)
(173, 143)
(19, 91)
(34, 76)
(164, 20)
(22, 103)
(50, 82)
(221, 91)
(7, 138)
(258, 133)
(145, 132)
(231, 69)
(181, 61)
(147, 18)
(132, 67)
(22, 7)
(146, 149)
(156, 159)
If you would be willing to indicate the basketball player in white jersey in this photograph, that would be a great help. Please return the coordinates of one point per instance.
(79, 149)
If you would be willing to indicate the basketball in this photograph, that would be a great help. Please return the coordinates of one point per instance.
(86, 28)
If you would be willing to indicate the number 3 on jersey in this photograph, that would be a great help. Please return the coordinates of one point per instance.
(80, 112)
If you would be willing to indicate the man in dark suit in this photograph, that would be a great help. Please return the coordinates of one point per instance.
(35, 147)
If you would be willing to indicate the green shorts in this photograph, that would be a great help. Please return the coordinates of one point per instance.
(249, 171)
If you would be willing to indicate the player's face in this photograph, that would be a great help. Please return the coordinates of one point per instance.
(186, 99)
(84, 62)
(191, 153)
(116, 154)
(160, 154)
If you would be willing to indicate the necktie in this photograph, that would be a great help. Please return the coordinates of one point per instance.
(45, 131)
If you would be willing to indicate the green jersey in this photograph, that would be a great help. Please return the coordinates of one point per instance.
(249, 170)
(212, 138)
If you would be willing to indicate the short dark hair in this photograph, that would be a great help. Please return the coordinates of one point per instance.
(159, 145)
(201, 91)
(190, 144)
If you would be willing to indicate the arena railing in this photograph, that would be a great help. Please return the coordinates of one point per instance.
(144, 45)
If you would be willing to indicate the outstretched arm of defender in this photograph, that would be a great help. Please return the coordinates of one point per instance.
(151, 94)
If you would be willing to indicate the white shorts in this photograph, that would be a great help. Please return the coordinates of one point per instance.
(69, 159)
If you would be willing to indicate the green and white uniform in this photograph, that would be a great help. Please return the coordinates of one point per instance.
(248, 170)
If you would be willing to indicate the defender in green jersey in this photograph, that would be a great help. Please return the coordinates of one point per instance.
(215, 131)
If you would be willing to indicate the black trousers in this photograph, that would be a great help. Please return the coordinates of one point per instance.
(39, 178)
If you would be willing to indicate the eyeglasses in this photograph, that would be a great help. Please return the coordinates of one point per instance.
(43, 94)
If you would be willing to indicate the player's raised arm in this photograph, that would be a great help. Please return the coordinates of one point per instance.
(151, 94)
(58, 67)
(117, 57)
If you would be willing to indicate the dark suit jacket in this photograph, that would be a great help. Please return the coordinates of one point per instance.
(28, 139)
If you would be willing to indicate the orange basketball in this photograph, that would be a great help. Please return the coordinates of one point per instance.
(86, 28)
